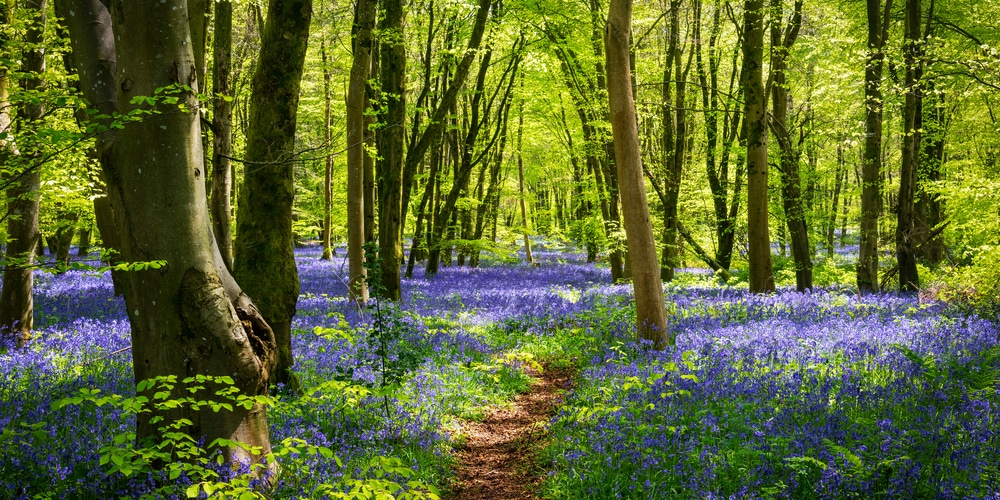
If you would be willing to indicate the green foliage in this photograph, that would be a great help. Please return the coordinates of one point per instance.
(185, 468)
(173, 452)
(975, 286)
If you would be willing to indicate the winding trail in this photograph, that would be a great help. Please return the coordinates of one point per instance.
(496, 462)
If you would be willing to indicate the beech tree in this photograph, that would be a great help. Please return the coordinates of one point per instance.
(871, 166)
(265, 259)
(761, 271)
(782, 39)
(364, 21)
(650, 310)
(16, 302)
(906, 238)
(222, 128)
(188, 317)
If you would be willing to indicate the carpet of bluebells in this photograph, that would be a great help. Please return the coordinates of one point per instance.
(791, 395)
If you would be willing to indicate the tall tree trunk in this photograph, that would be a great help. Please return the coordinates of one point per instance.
(85, 234)
(871, 166)
(838, 182)
(64, 236)
(222, 123)
(364, 21)
(520, 177)
(906, 240)
(265, 259)
(761, 271)
(651, 317)
(16, 303)
(391, 142)
(328, 249)
(188, 317)
(791, 182)
(928, 205)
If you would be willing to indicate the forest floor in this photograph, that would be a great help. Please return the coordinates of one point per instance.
(496, 460)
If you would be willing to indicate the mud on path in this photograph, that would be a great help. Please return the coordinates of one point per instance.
(496, 461)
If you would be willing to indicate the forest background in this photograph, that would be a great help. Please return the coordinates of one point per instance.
(449, 132)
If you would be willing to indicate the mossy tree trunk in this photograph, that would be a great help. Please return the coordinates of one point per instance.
(391, 142)
(17, 310)
(782, 39)
(871, 166)
(188, 317)
(906, 237)
(264, 250)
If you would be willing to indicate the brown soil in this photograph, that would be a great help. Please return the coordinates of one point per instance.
(497, 458)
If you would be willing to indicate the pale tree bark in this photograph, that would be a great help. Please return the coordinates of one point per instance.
(265, 260)
(188, 317)
(17, 310)
(222, 123)
(364, 20)
(871, 166)
(906, 239)
(651, 318)
(761, 270)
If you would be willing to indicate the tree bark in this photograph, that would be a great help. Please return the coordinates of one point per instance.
(871, 166)
(791, 182)
(364, 20)
(761, 271)
(222, 123)
(520, 177)
(928, 204)
(651, 317)
(391, 142)
(188, 317)
(328, 249)
(265, 260)
(906, 239)
(16, 302)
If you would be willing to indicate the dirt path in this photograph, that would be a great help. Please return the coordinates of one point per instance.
(495, 463)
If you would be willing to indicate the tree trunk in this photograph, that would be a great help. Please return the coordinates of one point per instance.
(791, 182)
(651, 317)
(265, 260)
(328, 249)
(761, 271)
(364, 20)
(871, 166)
(64, 236)
(222, 123)
(391, 142)
(16, 302)
(906, 240)
(188, 317)
(839, 178)
(85, 235)
(928, 205)
(520, 178)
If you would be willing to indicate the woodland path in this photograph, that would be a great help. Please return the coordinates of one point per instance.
(496, 461)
